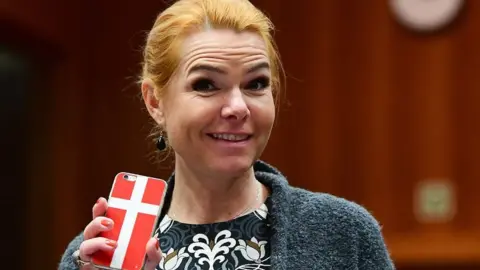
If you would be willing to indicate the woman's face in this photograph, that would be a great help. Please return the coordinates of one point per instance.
(218, 111)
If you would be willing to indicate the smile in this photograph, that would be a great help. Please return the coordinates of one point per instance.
(230, 137)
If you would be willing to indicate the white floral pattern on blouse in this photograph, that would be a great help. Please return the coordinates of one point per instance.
(242, 243)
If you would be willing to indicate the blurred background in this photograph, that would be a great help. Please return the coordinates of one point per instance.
(378, 110)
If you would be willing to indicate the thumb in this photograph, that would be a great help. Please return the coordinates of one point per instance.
(154, 254)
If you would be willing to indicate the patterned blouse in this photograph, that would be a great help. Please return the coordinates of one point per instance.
(242, 243)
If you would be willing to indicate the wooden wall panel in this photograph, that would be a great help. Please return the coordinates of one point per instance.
(465, 96)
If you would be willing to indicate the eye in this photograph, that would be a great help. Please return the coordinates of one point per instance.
(258, 84)
(203, 85)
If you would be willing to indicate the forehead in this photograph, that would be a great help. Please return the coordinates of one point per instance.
(223, 45)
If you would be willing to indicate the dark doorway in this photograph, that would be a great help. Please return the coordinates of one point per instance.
(26, 65)
(16, 74)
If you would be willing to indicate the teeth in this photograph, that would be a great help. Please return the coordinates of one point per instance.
(230, 137)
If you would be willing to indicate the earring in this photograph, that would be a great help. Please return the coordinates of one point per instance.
(161, 143)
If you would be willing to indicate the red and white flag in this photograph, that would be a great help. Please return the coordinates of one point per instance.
(133, 205)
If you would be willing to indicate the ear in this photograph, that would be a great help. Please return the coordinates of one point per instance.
(153, 103)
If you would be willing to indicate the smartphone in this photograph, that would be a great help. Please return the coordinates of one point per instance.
(134, 204)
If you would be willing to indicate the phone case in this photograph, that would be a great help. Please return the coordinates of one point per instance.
(134, 205)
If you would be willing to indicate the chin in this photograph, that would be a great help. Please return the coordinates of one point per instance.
(231, 166)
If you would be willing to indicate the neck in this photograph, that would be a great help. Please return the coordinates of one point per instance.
(201, 199)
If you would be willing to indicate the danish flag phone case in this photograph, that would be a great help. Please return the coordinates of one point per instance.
(134, 205)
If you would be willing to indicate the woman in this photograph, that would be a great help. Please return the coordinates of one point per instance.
(210, 77)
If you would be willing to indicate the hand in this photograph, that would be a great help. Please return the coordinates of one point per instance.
(92, 243)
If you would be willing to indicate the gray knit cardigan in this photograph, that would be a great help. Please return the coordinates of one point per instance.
(309, 230)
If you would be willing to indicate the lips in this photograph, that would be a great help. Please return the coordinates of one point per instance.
(230, 137)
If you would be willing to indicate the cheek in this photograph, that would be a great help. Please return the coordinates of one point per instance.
(187, 115)
(264, 113)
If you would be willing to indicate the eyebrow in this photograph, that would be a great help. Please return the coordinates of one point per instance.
(207, 68)
(262, 65)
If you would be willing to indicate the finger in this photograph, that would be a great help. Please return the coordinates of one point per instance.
(90, 246)
(154, 254)
(99, 224)
(100, 207)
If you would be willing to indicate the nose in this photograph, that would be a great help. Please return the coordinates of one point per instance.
(235, 107)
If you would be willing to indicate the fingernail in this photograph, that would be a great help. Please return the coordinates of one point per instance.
(157, 245)
(107, 223)
(112, 243)
(98, 200)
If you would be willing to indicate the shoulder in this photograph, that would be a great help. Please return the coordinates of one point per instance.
(331, 208)
(312, 207)
(347, 224)
(306, 208)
